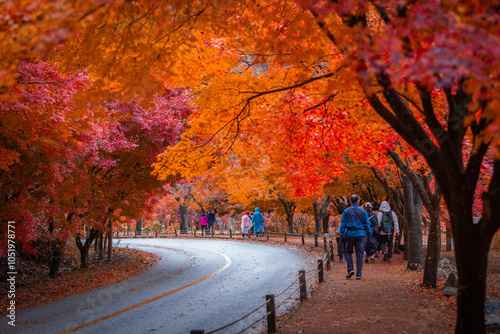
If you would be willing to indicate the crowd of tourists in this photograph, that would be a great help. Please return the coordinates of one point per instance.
(251, 223)
(365, 231)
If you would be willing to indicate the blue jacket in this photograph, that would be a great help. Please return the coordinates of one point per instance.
(258, 221)
(354, 222)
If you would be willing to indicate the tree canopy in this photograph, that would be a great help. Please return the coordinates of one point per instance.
(294, 91)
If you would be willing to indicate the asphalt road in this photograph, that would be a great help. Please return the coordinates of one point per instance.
(197, 284)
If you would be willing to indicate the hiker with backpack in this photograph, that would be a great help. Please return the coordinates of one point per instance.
(354, 227)
(371, 239)
(388, 227)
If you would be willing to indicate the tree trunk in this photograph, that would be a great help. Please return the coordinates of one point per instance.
(472, 245)
(414, 228)
(289, 207)
(320, 211)
(183, 210)
(84, 257)
(433, 253)
(472, 263)
(110, 241)
(326, 220)
(57, 253)
(419, 206)
(57, 257)
(101, 246)
(84, 248)
(138, 227)
(318, 219)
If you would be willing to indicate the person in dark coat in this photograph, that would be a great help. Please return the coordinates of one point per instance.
(354, 227)
(211, 221)
(372, 238)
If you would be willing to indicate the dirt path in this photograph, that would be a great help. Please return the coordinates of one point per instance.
(387, 300)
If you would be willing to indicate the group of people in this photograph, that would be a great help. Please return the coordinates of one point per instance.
(364, 232)
(252, 222)
(208, 222)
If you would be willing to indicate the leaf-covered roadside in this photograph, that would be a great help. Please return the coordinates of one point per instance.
(390, 299)
(36, 289)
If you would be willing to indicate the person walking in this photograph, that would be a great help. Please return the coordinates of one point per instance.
(375, 210)
(204, 224)
(354, 227)
(340, 241)
(258, 222)
(218, 221)
(246, 222)
(372, 238)
(388, 227)
(211, 221)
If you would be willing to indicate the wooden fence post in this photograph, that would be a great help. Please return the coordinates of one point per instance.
(320, 271)
(230, 234)
(194, 233)
(315, 241)
(175, 230)
(332, 258)
(302, 283)
(328, 263)
(303, 241)
(271, 314)
(285, 236)
(324, 244)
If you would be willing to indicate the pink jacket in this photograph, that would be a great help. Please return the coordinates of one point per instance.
(245, 221)
(204, 221)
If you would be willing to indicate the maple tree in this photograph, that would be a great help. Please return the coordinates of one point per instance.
(40, 149)
(122, 184)
(65, 165)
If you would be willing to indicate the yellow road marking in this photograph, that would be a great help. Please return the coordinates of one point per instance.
(228, 262)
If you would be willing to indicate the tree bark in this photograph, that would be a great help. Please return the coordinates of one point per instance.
(84, 248)
(110, 240)
(57, 253)
(320, 211)
(414, 249)
(433, 253)
(326, 221)
(289, 207)
(56, 259)
(101, 246)
(432, 203)
(183, 211)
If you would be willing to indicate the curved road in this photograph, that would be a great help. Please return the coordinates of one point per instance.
(197, 284)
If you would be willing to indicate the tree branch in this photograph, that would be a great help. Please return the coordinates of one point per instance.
(413, 177)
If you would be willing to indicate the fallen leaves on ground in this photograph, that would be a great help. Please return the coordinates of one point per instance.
(39, 290)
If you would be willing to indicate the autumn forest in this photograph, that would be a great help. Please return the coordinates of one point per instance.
(117, 111)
